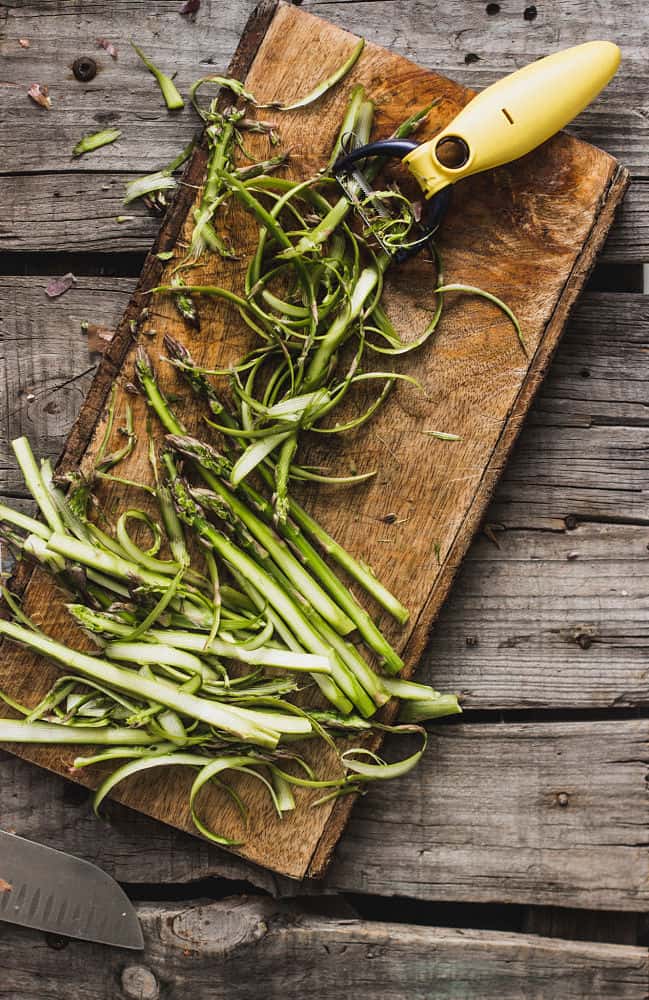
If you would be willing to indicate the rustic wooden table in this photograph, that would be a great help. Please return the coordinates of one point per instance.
(517, 862)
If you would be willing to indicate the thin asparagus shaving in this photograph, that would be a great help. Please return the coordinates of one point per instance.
(442, 435)
(159, 180)
(324, 86)
(482, 294)
(377, 769)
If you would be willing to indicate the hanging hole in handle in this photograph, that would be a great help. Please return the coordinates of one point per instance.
(452, 152)
(507, 116)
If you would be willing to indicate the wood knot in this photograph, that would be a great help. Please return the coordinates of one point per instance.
(563, 799)
(139, 983)
(583, 637)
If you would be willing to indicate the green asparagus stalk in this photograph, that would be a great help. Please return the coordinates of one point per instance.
(96, 141)
(240, 723)
(190, 512)
(208, 460)
(18, 731)
(261, 531)
(34, 482)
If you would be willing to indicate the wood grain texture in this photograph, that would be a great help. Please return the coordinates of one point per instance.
(122, 94)
(72, 212)
(513, 631)
(628, 240)
(516, 834)
(481, 820)
(229, 947)
(552, 211)
(547, 620)
(438, 36)
(74, 204)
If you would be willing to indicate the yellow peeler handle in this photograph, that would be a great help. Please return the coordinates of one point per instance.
(515, 115)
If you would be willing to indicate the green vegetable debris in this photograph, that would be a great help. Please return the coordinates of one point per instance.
(220, 603)
(96, 141)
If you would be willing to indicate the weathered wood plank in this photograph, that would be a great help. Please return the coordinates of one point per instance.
(584, 450)
(68, 212)
(548, 620)
(122, 94)
(45, 365)
(548, 813)
(229, 947)
(553, 814)
(629, 237)
(72, 212)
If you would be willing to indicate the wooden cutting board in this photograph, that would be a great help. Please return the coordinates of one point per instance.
(528, 232)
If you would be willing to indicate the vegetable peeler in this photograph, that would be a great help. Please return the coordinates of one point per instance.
(502, 123)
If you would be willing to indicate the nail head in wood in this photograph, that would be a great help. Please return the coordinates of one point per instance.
(84, 69)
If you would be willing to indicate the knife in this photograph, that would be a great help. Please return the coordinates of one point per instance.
(55, 892)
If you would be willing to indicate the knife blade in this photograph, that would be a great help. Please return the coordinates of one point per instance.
(56, 892)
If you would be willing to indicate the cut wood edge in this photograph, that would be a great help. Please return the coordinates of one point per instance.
(611, 199)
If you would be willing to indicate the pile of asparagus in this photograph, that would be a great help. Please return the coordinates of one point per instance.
(241, 600)
(196, 657)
